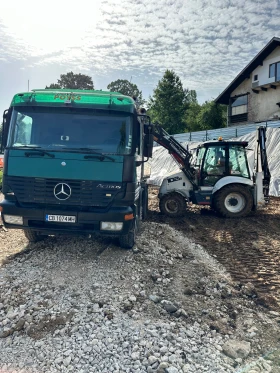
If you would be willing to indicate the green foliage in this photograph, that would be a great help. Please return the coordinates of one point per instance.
(191, 117)
(205, 117)
(73, 81)
(54, 86)
(212, 116)
(170, 102)
(127, 88)
(192, 96)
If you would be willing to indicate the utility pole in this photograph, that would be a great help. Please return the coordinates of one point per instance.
(28, 85)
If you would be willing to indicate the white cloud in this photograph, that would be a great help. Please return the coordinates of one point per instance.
(206, 42)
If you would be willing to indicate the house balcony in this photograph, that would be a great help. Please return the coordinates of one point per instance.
(259, 86)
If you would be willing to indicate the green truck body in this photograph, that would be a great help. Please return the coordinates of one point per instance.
(73, 163)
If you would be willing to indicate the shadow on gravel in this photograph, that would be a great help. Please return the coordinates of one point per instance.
(91, 248)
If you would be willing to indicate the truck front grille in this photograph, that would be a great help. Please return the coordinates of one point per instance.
(83, 192)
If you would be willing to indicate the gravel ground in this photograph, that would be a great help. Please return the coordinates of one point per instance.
(85, 305)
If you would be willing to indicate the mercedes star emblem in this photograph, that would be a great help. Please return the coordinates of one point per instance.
(62, 191)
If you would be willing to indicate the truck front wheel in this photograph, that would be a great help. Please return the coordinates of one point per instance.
(33, 236)
(127, 241)
(233, 201)
(173, 205)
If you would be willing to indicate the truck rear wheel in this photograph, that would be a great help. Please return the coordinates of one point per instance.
(127, 241)
(173, 205)
(33, 236)
(233, 201)
(144, 204)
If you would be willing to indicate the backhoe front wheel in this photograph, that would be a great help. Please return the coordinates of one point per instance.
(233, 201)
(173, 205)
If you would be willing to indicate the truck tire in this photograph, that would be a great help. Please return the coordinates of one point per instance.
(127, 241)
(33, 236)
(144, 206)
(233, 201)
(173, 205)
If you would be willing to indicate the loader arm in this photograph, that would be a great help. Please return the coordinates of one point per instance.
(181, 155)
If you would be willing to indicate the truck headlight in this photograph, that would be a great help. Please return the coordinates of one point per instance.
(111, 226)
(13, 219)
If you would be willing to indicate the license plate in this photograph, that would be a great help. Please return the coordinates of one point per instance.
(61, 218)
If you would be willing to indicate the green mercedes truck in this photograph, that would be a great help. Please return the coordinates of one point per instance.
(73, 164)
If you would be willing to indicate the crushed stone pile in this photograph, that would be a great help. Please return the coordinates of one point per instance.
(83, 305)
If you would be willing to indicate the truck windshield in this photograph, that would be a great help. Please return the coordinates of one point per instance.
(67, 128)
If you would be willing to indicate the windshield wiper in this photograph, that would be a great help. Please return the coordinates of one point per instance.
(100, 156)
(39, 153)
(91, 150)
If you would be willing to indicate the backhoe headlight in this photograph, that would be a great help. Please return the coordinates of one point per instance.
(13, 219)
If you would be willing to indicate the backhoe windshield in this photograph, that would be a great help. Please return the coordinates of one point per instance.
(66, 128)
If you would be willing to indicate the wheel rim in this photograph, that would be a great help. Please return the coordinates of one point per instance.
(171, 206)
(235, 202)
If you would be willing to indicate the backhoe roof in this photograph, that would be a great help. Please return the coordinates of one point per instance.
(224, 143)
(76, 98)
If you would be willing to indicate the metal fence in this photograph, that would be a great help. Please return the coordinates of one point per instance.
(226, 133)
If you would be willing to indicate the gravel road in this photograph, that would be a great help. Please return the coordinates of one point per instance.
(85, 305)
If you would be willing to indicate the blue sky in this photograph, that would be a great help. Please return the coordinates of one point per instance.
(206, 43)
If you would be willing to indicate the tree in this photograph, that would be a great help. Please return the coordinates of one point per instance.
(212, 116)
(191, 96)
(169, 103)
(128, 89)
(206, 116)
(191, 117)
(73, 81)
(54, 86)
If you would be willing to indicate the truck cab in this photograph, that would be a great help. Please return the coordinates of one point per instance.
(73, 164)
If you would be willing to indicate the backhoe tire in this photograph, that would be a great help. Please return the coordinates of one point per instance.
(173, 205)
(233, 201)
(33, 236)
(127, 241)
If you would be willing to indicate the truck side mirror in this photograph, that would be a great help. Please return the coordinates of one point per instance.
(148, 145)
(148, 141)
(5, 129)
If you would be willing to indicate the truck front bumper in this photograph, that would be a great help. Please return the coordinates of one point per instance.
(86, 222)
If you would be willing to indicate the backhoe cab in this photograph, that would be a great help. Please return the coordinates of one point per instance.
(218, 176)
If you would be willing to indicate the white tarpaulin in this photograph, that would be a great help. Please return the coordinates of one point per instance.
(162, 162)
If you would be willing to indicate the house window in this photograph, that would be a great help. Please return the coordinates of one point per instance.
(239, 109)
(239, 105)
(274, 71)
(256, 78)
